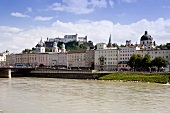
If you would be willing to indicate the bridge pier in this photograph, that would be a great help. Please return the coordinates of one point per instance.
(5, 73)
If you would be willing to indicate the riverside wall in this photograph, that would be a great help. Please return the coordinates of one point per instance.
(48, 73)
(5, 73)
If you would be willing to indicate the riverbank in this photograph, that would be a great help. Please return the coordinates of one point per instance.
(137, 76)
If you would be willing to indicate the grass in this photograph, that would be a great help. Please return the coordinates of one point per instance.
(137, 76)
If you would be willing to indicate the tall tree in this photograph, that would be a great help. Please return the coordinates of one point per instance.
(146, 61)
(139, 61)
(135, 61)
(159, 62)
(132, 61)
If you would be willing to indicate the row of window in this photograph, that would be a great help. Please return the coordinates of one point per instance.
(124, 58)
(157, 52)
(125, 54)
(109, 63)
(108, 55)
(108, 51)
(127, 51)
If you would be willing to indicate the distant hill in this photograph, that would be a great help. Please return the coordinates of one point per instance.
(74, 45)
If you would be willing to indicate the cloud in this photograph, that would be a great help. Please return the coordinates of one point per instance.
(17, 14)
(29, 9)
(16, 39)
(80, 6)
(166, 7)
(9, 29)
(122, 15)
(43, 18)
(111, 3)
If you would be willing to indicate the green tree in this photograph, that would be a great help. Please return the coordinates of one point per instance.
(72, 45)
(132, 61)
(146, 61)
(135, 61)
(27, 51)
(83, 46)
(48, 50)
(159, 62)
(115, 45)
(139, 61)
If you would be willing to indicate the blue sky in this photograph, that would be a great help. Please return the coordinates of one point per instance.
(24, 22)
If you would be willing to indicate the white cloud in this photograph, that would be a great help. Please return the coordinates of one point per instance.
(17, 14)
(43, 18)
(122, 15)
(111, 3)
(79, 6)
(29, 9)
(16, 39)
(9, 29)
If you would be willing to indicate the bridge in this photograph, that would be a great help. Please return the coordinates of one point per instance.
(6, 72)
(52, 73)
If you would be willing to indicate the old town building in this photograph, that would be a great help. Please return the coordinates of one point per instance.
(106, 56)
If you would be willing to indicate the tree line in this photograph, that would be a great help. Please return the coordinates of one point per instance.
(138, 62)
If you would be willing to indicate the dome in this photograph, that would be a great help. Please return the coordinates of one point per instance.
(146, 37)
(55, 44)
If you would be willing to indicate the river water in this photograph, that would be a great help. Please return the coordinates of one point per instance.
(52, 95)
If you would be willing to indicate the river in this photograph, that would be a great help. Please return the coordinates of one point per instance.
(52, 95)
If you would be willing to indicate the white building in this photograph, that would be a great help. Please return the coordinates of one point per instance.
(68, 38)
(31, 59)
(125, 53)
(3, 58)
(82, 59)
(10, 59)
(106, 56)
(53, 59)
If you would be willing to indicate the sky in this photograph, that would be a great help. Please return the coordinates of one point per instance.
(24, 22)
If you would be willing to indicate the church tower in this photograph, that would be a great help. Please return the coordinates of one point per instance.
(109, 44)
(55, 48)
(40, 47)
(63, 50)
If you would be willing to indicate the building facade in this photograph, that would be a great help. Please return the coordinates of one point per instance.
(3, 58)
(10, 60)
(80, 59)
(32, 59)
(125, 52)
(106, 57)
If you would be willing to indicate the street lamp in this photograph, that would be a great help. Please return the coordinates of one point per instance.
(78, 63)
(118, 52)
(67, 60)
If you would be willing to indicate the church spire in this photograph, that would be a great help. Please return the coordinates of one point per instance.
(109, 44)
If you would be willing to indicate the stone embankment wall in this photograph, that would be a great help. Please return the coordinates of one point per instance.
(47, 73)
